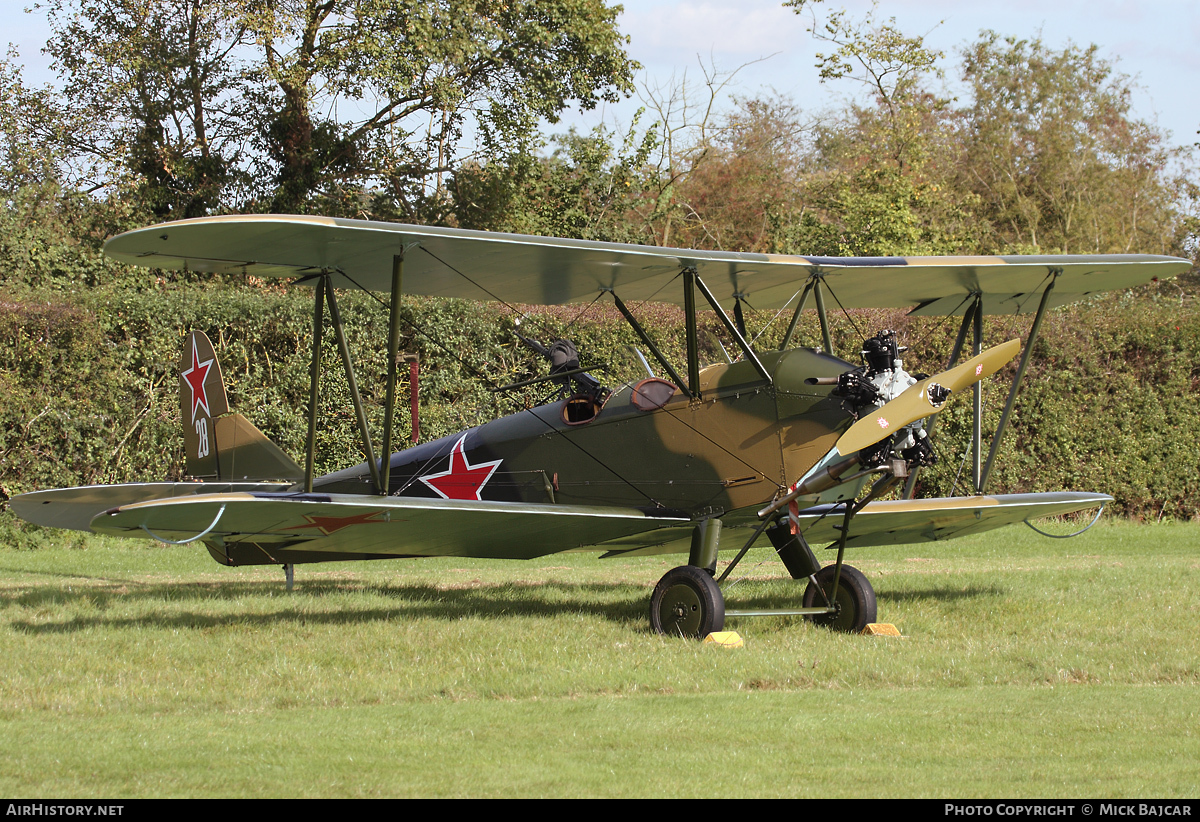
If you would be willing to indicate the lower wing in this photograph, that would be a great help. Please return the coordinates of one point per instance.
(251, 526)
(244, 529)
(898, 522)
(892, 522)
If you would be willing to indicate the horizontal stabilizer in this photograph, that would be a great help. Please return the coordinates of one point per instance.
(244, 453)
(74, 508)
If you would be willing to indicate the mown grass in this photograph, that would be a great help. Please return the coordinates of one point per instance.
(1028, 667)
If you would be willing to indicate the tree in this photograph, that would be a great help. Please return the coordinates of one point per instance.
(343, 106)
(894, 68)
(30, 141)
(156, 99)
(1057, 158)
(588, 188)
(744, 178)
(877, 178)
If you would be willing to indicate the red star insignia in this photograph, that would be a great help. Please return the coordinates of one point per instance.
(195, 377)
(328, 525)
(462, 480)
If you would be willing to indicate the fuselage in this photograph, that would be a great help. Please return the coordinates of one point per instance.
(649, 446)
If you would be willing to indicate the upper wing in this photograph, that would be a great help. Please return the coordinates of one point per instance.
(480, 265)
(382, 526)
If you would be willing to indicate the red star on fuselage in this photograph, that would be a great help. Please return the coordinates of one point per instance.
(195, 377)
(462, 480)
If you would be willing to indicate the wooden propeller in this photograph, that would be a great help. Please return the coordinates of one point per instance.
(924, 398)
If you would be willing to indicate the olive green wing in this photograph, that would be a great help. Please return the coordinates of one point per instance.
(515, 268)
(900, 522)
(354, 525)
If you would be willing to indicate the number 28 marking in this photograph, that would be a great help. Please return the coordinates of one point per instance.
(202, 433)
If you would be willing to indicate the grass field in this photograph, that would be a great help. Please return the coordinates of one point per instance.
(1028, 667)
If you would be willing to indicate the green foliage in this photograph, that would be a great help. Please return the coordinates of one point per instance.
(1057, 159)
(740, 184)
(336, 107)
(1045, 155)
(879, 55)
(31, 147)
(586, 189)
(91, 385)
(154, 99)
(874, 210)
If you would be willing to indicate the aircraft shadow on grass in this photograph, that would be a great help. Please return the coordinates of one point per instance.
(499, 601)
(495, 601)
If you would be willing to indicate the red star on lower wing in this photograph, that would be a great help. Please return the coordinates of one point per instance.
(462, 480)
(195, 377)
(328, 525)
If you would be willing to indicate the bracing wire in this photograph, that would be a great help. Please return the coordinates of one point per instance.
(771, 322)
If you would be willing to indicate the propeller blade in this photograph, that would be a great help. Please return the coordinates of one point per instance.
(922, 400)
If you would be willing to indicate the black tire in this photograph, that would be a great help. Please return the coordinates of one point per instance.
(687, 602)
(855, 603)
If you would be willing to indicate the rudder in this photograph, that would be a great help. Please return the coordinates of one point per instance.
(221, 445)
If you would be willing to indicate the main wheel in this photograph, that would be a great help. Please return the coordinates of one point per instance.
(687, 602)
(855, 605)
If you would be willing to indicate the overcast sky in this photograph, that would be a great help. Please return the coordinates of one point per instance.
(1154, 41)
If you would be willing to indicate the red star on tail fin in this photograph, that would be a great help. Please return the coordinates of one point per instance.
(195, 377)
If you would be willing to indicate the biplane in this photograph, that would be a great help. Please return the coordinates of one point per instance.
(796, 444)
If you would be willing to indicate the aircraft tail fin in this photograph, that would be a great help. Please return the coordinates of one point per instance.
(221, 445)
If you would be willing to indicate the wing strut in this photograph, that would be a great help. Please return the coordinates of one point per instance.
(689, 321)
(1016, 383)
(822, 315)
(315, 377)
(393, 354)
(658, 355)
(977, 399)
(324, 294)
(692, 282)
(911, 486)
(335, 317)
(734, 331)
(791, 329)
(973, 319)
